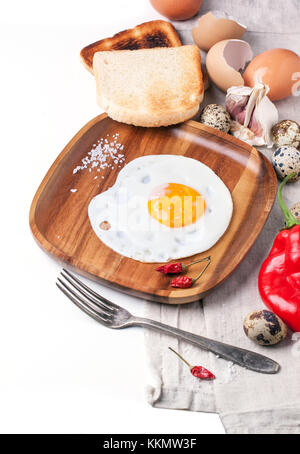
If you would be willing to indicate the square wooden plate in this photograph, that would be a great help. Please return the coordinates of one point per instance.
(59, 218)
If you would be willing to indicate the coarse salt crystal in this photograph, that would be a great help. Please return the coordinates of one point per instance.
(101, 153)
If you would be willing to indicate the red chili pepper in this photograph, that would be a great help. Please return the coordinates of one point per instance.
(201, 372)
(182, 282)
(279, 276)
(177, 268)
(197, 371)
(170, 268)
(187, 282)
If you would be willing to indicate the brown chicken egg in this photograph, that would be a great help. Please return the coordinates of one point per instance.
(216, 26)
(225, 61)
(277, 68)
(177, 9)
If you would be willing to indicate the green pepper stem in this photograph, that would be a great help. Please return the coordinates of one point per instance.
(289, 218)
(196, 261)
(204, 269)
(179, 356)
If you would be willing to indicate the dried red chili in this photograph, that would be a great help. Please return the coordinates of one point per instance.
(197, 371)
(177, 267)
(170, 268)
(182, 282)
(201, 372)
(187, 282)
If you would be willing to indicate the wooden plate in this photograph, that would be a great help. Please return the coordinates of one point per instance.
(60, 223)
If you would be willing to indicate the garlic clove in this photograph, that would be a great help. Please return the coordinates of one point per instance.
(236, 101)
(245, 134)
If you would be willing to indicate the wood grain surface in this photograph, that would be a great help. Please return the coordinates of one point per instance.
(59, 218)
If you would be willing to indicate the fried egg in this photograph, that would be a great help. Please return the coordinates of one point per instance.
(162, 207)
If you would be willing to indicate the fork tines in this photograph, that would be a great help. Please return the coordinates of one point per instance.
(85, 298)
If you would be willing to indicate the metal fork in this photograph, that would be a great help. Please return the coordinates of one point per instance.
(113, 316)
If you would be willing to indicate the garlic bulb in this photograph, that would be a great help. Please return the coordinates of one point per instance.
(253, 114)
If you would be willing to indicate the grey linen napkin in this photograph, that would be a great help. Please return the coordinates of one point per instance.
(247, 402)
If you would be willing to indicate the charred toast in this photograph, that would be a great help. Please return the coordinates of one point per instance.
(156, 33)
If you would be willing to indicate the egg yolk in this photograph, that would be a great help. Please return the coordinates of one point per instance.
(175, 205)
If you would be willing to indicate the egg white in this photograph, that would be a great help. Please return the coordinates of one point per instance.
(135, 234)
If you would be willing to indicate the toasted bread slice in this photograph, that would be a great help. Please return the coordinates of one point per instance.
(156, 33)
(149, 87)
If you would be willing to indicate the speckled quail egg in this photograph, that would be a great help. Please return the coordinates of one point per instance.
(216, 116)
(286, 160)
(264, 327)
(295, 210)
(286, 132)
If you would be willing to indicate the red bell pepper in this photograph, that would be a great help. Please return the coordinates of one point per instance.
(279, 276)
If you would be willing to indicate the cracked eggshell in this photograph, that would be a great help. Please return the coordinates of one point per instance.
(225, 61)
(216, 26)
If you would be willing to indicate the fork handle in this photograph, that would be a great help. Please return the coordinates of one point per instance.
(245, 358)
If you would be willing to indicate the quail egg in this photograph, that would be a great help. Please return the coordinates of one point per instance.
(216, 116)
(286, 160)
(295, 210)
(286, 132)
(264, 327)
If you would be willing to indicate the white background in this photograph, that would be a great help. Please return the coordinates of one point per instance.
(61, 372)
